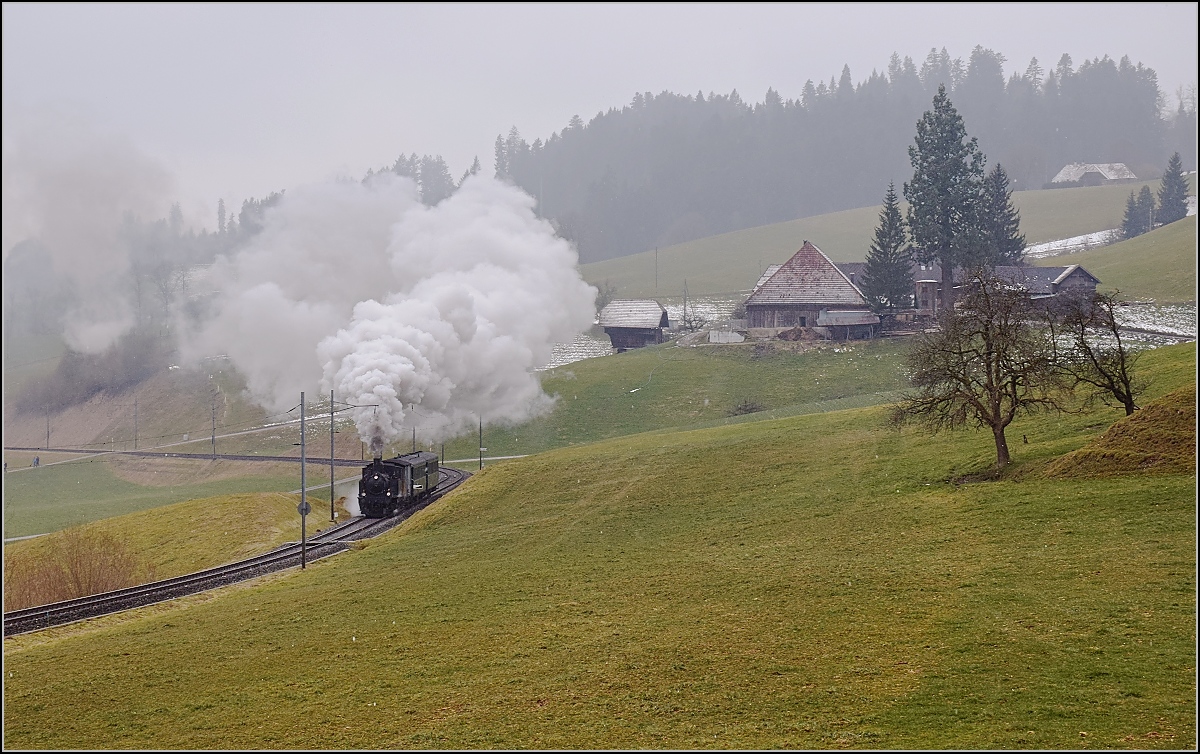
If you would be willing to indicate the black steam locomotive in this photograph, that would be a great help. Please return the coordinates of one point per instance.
(392, 484)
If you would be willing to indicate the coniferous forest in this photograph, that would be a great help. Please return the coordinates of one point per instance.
(669, 168)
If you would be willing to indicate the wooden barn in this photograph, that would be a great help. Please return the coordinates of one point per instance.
(809, 290)
(634, 323)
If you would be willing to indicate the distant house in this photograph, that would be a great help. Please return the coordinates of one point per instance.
(634, 323)
(1094, 173)
(809, 291)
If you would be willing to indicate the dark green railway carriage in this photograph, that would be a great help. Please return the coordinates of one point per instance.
(389, 485)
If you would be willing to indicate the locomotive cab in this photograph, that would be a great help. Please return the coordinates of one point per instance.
(391, 484)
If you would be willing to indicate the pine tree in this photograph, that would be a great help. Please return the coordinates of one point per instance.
(501, 158)
(1132, 226)
(1146, 209)
(1172, 193)
(1000, 222)
(888, 278)
(943, 196)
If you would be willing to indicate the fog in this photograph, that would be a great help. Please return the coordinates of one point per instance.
(424, 317)
(237, 101)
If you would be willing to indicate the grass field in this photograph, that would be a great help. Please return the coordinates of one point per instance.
(733, 262)
(49, 498)
(817, 581)
(681, 386)
(1159, 265)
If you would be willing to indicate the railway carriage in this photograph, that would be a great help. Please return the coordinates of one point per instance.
(391, 484)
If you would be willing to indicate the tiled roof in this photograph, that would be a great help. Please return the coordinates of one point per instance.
(630, 313)
(767, 273)
(809, 277)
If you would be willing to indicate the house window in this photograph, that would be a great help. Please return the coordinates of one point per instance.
(803, 322)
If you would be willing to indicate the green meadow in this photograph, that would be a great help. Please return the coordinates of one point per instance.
(812, 581)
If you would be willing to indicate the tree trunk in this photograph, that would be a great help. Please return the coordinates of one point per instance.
(1002, 457)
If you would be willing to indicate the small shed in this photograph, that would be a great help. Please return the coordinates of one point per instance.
(634, 323)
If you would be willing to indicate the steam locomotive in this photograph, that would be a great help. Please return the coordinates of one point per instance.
(395, 483)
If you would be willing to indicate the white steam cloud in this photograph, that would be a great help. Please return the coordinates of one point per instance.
(69, 186)
(427, 317)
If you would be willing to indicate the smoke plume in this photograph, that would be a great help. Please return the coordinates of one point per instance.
(430, 318)
(69, 187)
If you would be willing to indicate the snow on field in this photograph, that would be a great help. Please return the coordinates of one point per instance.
(1073, 244)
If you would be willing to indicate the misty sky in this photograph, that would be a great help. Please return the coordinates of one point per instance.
(237, 100)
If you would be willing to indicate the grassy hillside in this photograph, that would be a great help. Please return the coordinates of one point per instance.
(641, 390)
(219, 530)
(733, 261)
(1159, 265)
(808, 582)
(684, 386)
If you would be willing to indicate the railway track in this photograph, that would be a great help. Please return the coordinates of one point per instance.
(329, 542)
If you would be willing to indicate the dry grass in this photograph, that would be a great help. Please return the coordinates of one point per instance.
(1159, 439)
(73, 563)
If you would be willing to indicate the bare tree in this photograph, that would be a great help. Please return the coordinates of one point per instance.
(987, 364)
(1094, 353)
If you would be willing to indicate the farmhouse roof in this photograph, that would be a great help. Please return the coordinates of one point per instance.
(1112, 171)
(767, 273)
(1037, 281)
(644, 313)
(809, 277)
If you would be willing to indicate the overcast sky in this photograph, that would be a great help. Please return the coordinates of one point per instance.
(237, 100)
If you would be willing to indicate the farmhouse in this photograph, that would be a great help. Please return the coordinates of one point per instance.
(1038, 282)
(1041, 283)
(809, 291)
(1094, 173)
(633, 323)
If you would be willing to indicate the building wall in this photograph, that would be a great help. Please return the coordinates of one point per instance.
(1076, 281)
(624, 338)
(782, 316)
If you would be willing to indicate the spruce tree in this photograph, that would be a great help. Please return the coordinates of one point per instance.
(943, 197)
(1132, 224)
(1172, 194)
(999, 221)
(1146, 209)
(887, 281)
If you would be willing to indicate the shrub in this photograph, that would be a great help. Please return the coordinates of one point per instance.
(74, 563)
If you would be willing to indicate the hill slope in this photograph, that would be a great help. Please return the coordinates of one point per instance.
(1159, 265)
(810, 582)
(732, 262)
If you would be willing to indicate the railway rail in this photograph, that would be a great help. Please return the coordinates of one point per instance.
(328, 542)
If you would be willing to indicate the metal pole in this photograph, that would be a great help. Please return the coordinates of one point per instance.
(481, 443)
(214, 425)
(47, 431)
(135, 422)
(332, 513)
(303, 496)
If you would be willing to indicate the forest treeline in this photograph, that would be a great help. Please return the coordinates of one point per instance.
(669, 168)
